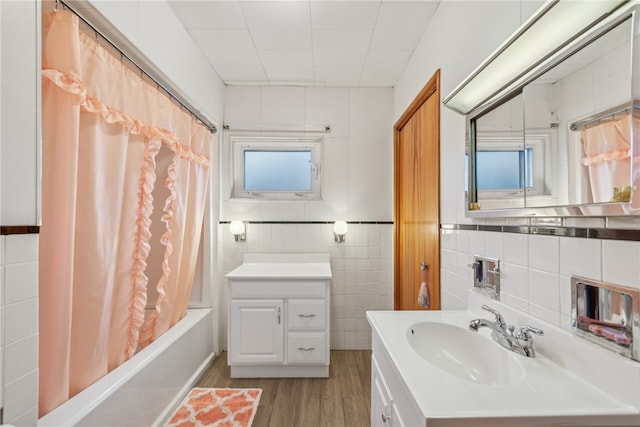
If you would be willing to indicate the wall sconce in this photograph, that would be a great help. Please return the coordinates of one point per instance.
(339, 231)
(237, 228)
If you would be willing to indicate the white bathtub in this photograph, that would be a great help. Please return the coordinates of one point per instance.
(144, 390)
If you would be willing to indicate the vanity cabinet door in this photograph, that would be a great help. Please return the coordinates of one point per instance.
(381, 403)
(256, 331)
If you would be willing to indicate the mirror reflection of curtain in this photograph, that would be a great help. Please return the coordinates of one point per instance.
(103, 128)
(607, 151)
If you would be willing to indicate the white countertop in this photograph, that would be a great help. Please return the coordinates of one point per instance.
(283, 266)
(547, 389)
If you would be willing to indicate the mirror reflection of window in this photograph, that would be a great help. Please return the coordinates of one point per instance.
(574, 112)
(500, 162)
(513, 173)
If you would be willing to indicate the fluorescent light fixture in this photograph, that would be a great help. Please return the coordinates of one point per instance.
(339, 231)
(555, 24)
(238, 229)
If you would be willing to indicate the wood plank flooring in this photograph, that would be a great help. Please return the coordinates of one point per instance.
(342, 400)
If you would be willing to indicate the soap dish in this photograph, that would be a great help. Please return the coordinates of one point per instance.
(607, 314)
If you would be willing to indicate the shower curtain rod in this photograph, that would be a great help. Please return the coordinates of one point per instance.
(324, 129)
(603, 116)
(183, 103)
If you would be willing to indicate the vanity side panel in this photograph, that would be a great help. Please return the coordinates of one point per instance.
(403, 401)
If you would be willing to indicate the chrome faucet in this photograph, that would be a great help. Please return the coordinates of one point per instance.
(520, 342)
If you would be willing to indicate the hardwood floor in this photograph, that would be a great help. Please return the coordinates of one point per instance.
(342, 400)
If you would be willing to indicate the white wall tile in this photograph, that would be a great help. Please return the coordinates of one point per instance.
(21, 248)
(582, 257)
(328, 106)
(620, 262)
(20, 396)
(242, 106)
(3, 240)
(545, 314)
(462, 241)
(514, 280)
(20, 320)
(493, 245)
(20, 282)
(476, 243)
(18, 114)
(283, 105)
(26, 419)
(448, 239)
(544, 253)
(370, 154)
(565, 296)
(516, 248)
(544, 290)
(20, 358)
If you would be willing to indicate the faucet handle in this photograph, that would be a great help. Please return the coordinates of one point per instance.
(499, 319)
(523, 333)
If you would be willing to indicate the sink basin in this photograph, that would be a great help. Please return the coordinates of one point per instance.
(465, 354)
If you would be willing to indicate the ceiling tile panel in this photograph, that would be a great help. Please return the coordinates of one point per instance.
(288, 65)
(401, 25)
(304, 42)
(337, 76)
(384, 66)
(227, 47)
(278, 25)
(344, 15)
(340, 48)
(209, 14)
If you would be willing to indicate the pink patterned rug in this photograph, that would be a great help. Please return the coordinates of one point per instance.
(228, 407)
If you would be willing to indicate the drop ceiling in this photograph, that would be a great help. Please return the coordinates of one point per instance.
(308, 42)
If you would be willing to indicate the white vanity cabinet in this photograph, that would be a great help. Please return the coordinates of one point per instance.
(391, 405)
(279, 316)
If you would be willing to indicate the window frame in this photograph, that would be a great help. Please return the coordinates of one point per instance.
(538, 142)
(240, 144)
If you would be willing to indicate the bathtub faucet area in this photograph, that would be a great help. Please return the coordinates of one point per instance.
(520, 342)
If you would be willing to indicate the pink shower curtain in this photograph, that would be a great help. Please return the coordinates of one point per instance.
(607, 149)
(103, 128)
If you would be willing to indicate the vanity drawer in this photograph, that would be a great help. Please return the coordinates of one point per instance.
(306, 347)
(306, 314)
(243, 288)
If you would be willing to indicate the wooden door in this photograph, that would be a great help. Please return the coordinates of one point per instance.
(417, 198)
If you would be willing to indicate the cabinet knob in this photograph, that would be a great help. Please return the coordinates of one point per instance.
(385, 417)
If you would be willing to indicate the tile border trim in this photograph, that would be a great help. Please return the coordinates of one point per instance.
(585, 233)
(7, 230)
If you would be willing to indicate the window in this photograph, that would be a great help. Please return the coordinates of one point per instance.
(505, 168)
(276, 168)
(514, 172)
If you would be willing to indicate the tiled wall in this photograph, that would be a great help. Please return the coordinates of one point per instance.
(19, 206)
(357, 186)
(19, 338)
(144, 23)
(536, 269)
(362, 269)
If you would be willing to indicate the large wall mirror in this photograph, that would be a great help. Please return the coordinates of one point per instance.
(565, 141)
